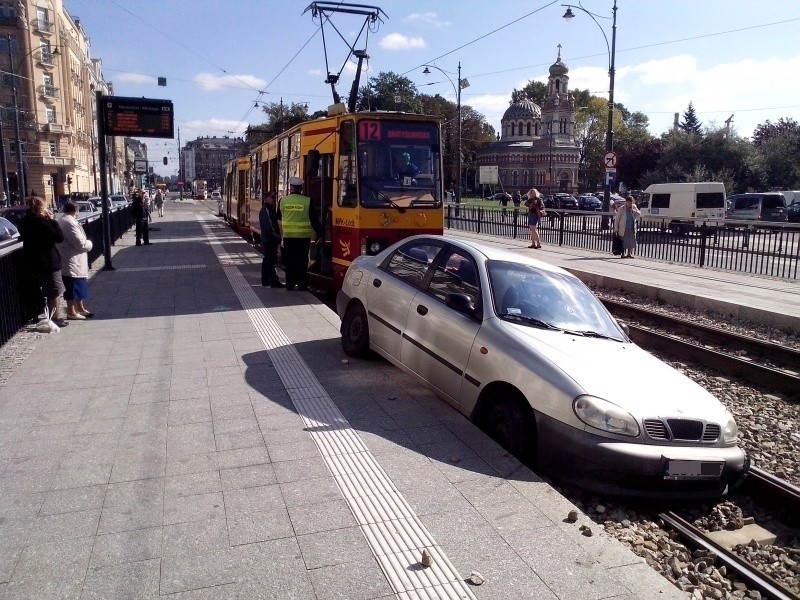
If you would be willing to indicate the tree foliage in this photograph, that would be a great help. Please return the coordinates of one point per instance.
(280, 117)
(389, 91)
(691, 124)
(783, 128)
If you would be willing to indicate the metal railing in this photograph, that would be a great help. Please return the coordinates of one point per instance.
(20, 299)
(759, 248)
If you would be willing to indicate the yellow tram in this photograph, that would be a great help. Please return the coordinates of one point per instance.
(374, 177)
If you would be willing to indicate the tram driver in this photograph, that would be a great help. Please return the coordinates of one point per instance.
(403, 166)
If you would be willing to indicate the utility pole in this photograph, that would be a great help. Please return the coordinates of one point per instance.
(180, 166)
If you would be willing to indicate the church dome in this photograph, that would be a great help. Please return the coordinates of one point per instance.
(524, 109)
(558, 68)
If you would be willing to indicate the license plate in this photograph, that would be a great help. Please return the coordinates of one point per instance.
(653, 211)
(693, 469)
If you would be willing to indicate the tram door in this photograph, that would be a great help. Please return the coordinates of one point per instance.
(319, 177)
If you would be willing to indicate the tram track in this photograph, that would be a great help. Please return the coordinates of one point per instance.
(721, 357)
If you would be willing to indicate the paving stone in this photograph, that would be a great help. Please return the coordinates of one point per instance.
(304, 468)
(64, 526)
(313, 518)
(364, 580)
(51, 570)
(248, 476)
(334, 547)
(199, 507)
(128, 581)
(191, 484)
(125, 547)
(196, 537)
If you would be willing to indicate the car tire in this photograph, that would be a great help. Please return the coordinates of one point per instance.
(355, 332)
(512, 425)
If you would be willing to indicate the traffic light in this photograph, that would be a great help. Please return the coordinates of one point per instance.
(165, 160)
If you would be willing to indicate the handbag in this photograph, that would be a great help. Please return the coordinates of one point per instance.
(616, 245)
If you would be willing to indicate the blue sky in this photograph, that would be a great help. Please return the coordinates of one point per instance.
(729, 57)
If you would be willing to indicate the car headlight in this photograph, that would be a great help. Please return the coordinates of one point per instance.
(730, 433)
(605, 416)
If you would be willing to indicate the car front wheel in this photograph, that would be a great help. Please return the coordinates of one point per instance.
(511, 425)
(355, 332)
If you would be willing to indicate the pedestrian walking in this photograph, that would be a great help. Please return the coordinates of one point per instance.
(141, 215)
(74, 263)
(625, 226)
(297, 221)
(159, 202)
(40, 234)
(270, 240)
(504, 204)
(536, 211)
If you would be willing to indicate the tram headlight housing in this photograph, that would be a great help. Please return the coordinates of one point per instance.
(605, 416)
(374, 246)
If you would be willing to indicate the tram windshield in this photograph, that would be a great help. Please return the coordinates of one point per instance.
(399, 164)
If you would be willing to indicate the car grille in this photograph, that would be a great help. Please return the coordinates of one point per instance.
(685, 430)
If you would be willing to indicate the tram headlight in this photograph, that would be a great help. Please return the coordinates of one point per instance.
(605, 416)
(374, 247)
(730, 432)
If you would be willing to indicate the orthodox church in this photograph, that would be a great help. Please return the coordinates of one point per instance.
(536, 145)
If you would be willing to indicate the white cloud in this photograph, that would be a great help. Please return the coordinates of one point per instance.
(135, 79)
(429, 18)
(315, 72)
(492, 106)
(210, 82)
(398, 41)
(214, 127)
(676, 69)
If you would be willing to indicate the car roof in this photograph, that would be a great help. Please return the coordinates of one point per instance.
(493, 252)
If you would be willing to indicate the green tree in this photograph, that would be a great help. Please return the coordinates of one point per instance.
(690, 123)
(768, 130)
(389, 91)
(536, 91)
(280, 117)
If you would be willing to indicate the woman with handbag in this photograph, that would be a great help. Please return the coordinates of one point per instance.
(536, 211)
(625, 226)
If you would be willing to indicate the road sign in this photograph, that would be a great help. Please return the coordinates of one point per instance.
(139, 165)
(611, 176)
(610, 160)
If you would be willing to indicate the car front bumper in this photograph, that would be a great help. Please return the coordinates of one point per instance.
(616, 467)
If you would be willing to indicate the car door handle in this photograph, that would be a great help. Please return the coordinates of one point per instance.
(422, 310)
(377, 282)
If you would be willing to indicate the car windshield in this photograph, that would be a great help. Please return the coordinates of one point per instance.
(539, 298)
(398, 164)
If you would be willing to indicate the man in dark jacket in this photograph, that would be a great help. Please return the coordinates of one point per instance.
(270, 240)
(141, 214)
(40, 233)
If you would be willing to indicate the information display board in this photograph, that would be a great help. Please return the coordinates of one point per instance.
(138, 117)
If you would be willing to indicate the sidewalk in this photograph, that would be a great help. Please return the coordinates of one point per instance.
(204, 437)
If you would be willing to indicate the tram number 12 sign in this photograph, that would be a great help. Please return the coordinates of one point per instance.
(142, 117)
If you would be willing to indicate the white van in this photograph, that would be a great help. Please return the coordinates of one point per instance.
(684, 200)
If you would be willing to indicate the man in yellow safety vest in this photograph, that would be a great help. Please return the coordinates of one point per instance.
(297, 221)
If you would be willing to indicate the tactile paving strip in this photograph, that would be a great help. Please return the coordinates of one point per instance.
(393, 531)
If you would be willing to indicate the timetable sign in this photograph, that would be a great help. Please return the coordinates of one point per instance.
(138, 117)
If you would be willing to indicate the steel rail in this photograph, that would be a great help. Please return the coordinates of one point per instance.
(775, 352)
(782, 496)
(755, 578)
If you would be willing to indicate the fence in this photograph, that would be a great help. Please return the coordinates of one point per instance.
(744, 246)
(20, 299)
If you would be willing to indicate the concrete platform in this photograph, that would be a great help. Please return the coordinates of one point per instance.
(204, 437)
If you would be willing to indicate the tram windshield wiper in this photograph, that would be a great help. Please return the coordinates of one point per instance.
(382, 195)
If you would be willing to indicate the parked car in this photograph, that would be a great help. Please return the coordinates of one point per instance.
(566, 201)
(549, 201)
(119, 200)
(526, 351)
(14, 213)
(9, 234)
(793, 212)
(500, 196)
(758, 207)
(88, 207)
(590, 202)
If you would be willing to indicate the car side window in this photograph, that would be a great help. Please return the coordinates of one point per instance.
(456, 274)
(410, 262)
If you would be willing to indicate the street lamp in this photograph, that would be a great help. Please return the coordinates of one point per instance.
(610, 126)
(21, 184)
(462, 83)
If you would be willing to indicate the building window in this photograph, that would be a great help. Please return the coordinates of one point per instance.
(53, 147)
(515, 178)
(528, 130)
(512, 128)
(520, 128)
(525, 179)
(49, 90)
(4, 45)
(51, 114)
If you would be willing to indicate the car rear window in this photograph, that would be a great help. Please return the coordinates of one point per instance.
(746, 203)
(774, 201)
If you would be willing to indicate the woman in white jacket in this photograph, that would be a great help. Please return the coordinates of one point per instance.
(625, 226)
(74, 263)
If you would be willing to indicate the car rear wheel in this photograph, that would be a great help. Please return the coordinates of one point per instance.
(355, 332)
(511, 425)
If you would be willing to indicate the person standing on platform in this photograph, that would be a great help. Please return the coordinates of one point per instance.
(74, 263)
(625, 226)
(270, 240)
(297, 221)
(536, 211)
(40, 234)
(159, 202)
(140, 213)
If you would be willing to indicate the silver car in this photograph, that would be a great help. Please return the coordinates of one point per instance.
(526, 351)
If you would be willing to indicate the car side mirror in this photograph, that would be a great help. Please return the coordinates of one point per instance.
(461, 303)
(624, 327)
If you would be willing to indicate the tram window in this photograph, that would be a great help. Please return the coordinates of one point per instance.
(348, 195)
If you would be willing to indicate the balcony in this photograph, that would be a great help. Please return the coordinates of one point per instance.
(43, 26)
(51, 161)
(56, 128)
(49, 92)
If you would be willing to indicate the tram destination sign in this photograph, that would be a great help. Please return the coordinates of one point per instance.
(144, 117)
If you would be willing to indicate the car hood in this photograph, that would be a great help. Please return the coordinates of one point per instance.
(621, 373)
